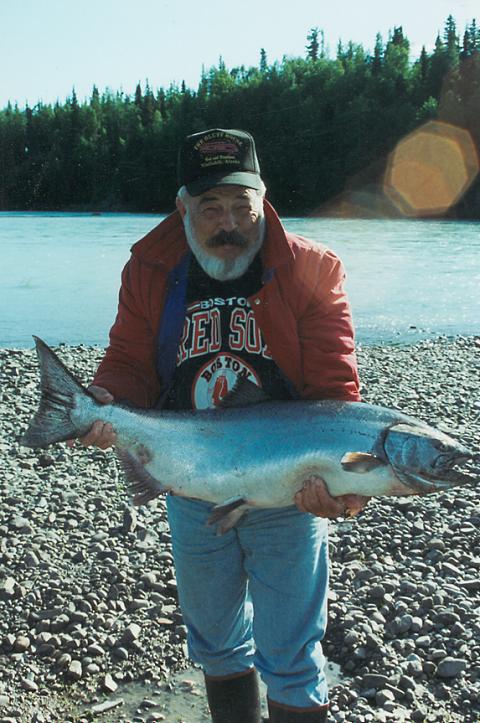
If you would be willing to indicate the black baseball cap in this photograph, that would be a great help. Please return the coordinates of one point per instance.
(218, 157)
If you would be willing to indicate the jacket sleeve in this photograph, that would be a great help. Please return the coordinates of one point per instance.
(128, 367)
(326, 333)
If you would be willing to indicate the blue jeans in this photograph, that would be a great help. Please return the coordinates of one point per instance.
(255, 596)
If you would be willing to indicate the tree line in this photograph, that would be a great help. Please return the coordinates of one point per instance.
(318, 121)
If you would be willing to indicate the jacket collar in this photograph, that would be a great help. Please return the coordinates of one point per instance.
(277, 247)
(165, 245)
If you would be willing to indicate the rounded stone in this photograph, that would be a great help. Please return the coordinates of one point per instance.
(74, 671)
(451, 667)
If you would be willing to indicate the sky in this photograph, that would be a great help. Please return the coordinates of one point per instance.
(50, 46)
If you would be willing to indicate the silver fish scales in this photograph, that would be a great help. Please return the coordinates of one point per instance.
(252, 452)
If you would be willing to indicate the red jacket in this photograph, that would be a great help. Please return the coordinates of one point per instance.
(302, 311)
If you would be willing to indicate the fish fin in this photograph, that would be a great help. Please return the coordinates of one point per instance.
(244, 393)
(361, 462)
(143, 486)
(52, 422)
(226, 515)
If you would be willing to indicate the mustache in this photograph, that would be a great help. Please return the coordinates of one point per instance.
(222, 238)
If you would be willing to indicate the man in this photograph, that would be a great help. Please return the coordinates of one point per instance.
(218, 290)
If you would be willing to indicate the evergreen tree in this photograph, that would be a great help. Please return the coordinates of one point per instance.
(313, 44)
(138, 96)
(474, 36)
(263, 61)
(439, 67)
(423, 61)
(377, 55)
(471, 40)
(451, 39)
(148, 106)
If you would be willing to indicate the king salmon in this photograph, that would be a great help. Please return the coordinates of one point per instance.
(251, 452)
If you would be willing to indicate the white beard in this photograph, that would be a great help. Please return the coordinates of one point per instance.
(223, 269)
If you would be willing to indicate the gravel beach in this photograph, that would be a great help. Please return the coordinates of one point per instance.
(88, 599)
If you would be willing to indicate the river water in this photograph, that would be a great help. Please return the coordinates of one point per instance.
(59, 274)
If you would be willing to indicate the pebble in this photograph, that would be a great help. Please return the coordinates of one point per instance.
(374, 680)
(120, 653)
(21, 644)
(99, 708)
(28, 684)
(131, 634)
(75, 670)
(64, 661)
(88, 589)
(109, 684)
(451, 667)
(384, 696)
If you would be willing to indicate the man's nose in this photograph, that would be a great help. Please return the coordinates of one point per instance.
(228, 221)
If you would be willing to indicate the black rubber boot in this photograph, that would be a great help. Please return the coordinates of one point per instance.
(278, 714)
(234, 700)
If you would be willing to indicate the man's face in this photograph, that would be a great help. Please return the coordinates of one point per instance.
(224, 228)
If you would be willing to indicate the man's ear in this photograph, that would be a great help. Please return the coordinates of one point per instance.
(180, 207)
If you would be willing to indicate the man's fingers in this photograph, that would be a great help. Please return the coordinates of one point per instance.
(100, 435)
(354, 503)
(93, 434)
(316, 499)
(101, 394)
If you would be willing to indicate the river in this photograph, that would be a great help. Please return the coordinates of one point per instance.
(406, 280)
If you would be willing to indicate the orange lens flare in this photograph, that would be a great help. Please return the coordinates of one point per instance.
(430, 169)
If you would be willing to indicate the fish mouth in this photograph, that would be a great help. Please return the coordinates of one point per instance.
(446, 462)
(425, 483)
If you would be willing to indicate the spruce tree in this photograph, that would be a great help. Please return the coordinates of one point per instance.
(423, 60)
(263, 61)
(451, 40)
(313, 45)
(377, 55)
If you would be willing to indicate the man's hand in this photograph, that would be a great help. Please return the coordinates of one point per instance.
(100, 434)
(315, 498)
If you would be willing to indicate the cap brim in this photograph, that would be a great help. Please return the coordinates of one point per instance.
(240, 178)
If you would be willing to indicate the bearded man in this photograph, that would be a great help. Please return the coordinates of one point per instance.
(218, 290)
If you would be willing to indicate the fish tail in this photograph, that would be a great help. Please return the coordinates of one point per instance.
(52, 422)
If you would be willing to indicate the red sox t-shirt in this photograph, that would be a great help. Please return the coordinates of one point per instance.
(221, 341)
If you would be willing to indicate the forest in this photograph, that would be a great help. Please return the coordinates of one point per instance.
(322, 124)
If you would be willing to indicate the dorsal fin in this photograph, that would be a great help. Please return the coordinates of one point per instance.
(244, 393)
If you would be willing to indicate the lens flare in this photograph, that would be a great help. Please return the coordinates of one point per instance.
(430, 169)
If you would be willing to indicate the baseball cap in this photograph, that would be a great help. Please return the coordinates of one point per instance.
(218, 157)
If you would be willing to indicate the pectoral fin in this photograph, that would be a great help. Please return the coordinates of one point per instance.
(226, 515)
(361, 462)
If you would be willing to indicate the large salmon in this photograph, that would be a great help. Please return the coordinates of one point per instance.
(251, 454)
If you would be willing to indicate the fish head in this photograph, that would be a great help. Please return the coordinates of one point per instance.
(425, 458)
